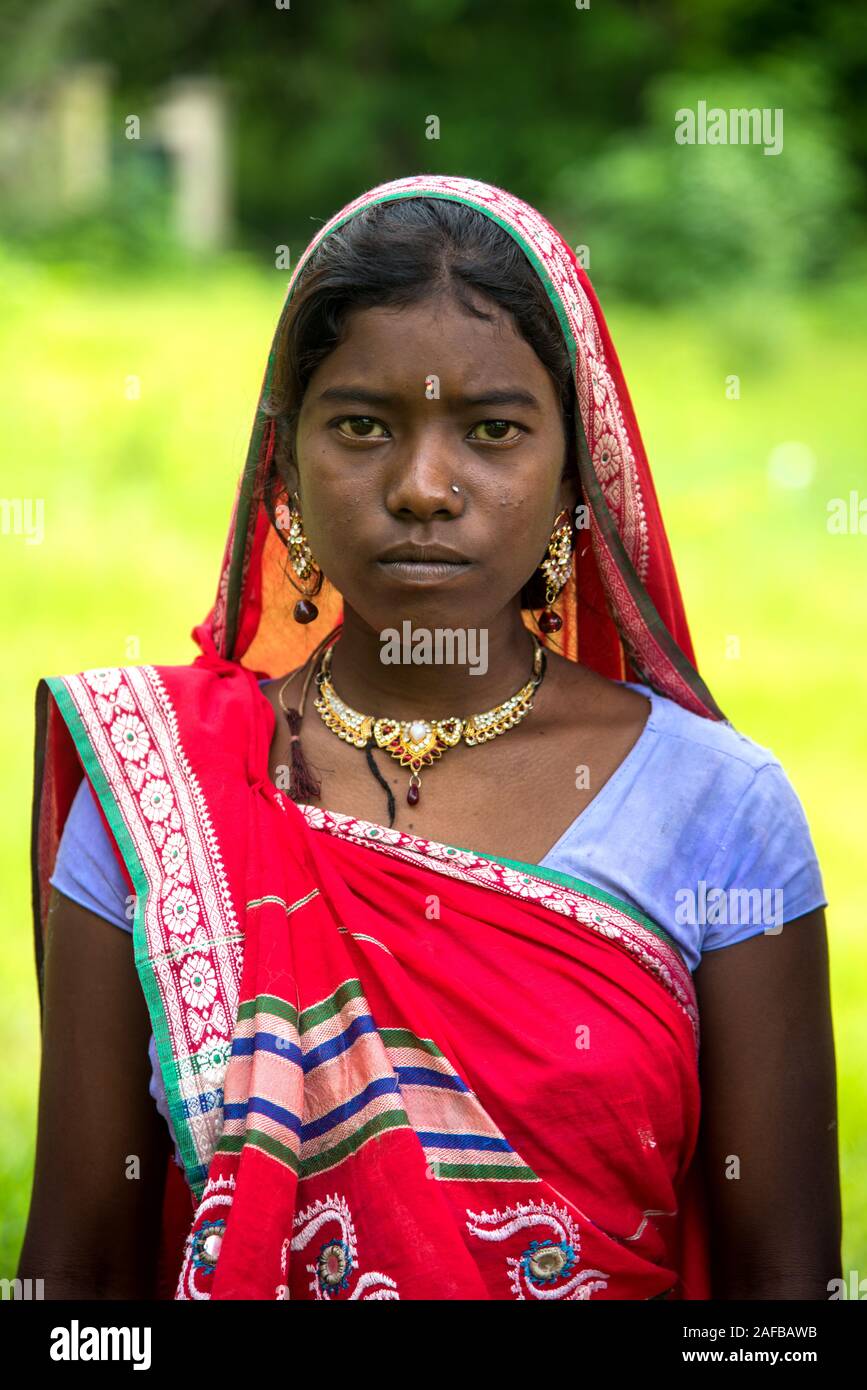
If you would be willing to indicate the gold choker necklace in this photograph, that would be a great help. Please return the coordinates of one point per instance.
(416, 743)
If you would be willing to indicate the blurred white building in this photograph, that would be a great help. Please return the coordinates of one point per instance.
(61, 147)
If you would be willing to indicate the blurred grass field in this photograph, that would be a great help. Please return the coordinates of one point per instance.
(127, 407)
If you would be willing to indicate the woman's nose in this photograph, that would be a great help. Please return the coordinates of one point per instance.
(422, 483)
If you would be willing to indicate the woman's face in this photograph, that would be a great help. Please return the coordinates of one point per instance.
(413, 401)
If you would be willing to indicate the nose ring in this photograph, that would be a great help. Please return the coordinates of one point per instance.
(455, 487)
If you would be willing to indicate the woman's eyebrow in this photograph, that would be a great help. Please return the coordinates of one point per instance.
(507, 395)
(346, 395)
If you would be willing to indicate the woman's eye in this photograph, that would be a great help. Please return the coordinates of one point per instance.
(498, 431)
(360, 427)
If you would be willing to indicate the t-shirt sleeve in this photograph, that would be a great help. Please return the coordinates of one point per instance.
(765, 872)
(86, 867)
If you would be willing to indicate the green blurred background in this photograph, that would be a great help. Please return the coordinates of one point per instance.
(153, 163)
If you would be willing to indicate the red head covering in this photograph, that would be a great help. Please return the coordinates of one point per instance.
(621, 608)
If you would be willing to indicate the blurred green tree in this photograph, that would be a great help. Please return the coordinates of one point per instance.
(570, 108)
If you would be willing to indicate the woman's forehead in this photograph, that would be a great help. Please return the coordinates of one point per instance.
(383, 337)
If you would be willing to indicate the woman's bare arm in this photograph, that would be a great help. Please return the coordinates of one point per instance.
(770, 1113)
(93, 1230)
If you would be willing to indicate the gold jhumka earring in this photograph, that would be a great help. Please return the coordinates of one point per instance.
(556, 567)
(304, 565)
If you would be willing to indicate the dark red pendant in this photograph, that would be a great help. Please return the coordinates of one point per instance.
(305, 611)
(550, 621)
(412, 794)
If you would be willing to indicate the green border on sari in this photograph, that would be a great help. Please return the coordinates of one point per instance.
(578, 885)
(195, 1172)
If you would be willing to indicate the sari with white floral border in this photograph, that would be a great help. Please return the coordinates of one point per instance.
(394, 1068)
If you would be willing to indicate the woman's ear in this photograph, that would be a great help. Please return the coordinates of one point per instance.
(570, 487)
(291, 479)
(287, 468)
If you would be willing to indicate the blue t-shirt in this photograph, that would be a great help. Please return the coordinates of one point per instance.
(699, 828)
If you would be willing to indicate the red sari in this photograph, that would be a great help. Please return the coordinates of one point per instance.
(395, 1068)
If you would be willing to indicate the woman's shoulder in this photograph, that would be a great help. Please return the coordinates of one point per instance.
(703, 737)
(190, 714)
(710, 761)
(190, 680)
(736, 794)
(696, 809)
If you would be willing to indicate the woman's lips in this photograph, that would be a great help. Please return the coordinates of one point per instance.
(423, 571)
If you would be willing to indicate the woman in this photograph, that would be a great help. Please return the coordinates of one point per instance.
(417, 854)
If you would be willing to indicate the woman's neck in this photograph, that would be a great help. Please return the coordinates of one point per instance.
(456, 671)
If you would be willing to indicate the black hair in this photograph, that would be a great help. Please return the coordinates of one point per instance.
(397, 253)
